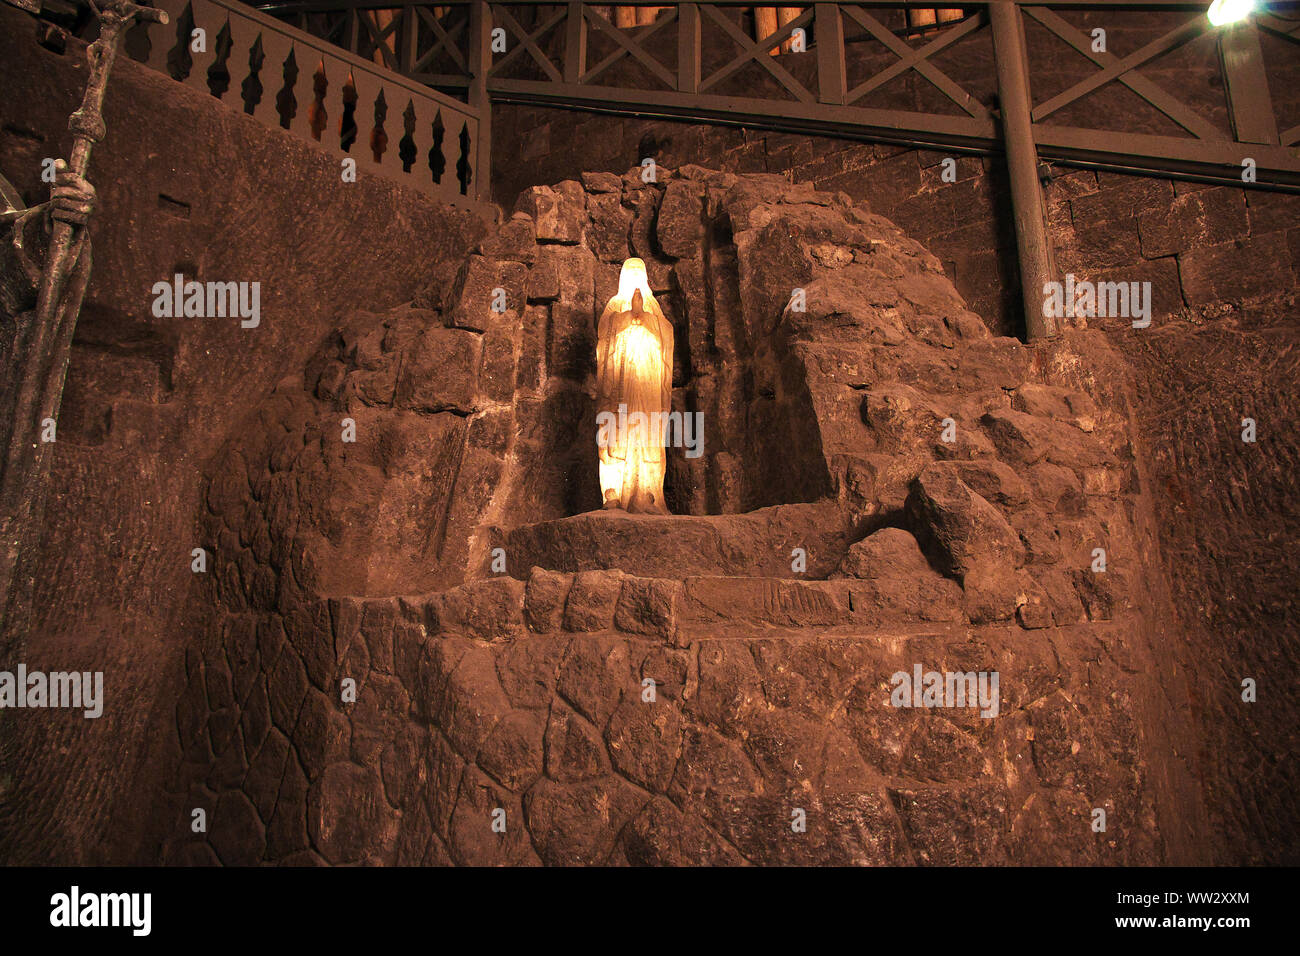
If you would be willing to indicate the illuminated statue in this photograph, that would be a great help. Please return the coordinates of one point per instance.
(634, 387)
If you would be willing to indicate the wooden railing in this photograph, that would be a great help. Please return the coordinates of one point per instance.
(389, 124)
(549, 58)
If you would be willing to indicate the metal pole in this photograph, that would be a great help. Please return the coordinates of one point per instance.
(1022, 164)
(480, 62)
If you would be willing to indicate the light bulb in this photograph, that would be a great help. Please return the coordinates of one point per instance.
(1222, 12)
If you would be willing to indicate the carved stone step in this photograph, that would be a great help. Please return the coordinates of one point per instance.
(758, 543)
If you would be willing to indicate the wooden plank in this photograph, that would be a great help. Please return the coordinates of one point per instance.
(163, 37)
(1286, 29)
(244, 34)
(1174, 153)
(688, 48)
(480, 67)
(457, 80)
(765, 24)
(410, 38)
(367, 86)
(1250, 104)
(323, 5)
(811, 117)
(210, 18)
(575, 44)
(277, 47)
(832, 77)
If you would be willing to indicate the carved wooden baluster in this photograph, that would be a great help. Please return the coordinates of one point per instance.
(218, 73)
(406, 148)
(204, 45)
(179, 60)
(379, 138)
(348, 121)
(437, 162)
(286, 104)
(317, 115)
(251, 89)
(163, 39)
(464, 165)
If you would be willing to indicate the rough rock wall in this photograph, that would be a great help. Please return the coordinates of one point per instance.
(184, 185)
(1221, 351)
(966, 482)
(1229, 532)
(465, 708)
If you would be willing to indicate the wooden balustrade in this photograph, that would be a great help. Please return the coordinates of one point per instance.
(286, 78)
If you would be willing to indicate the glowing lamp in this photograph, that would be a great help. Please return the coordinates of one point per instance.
(1223, 12)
